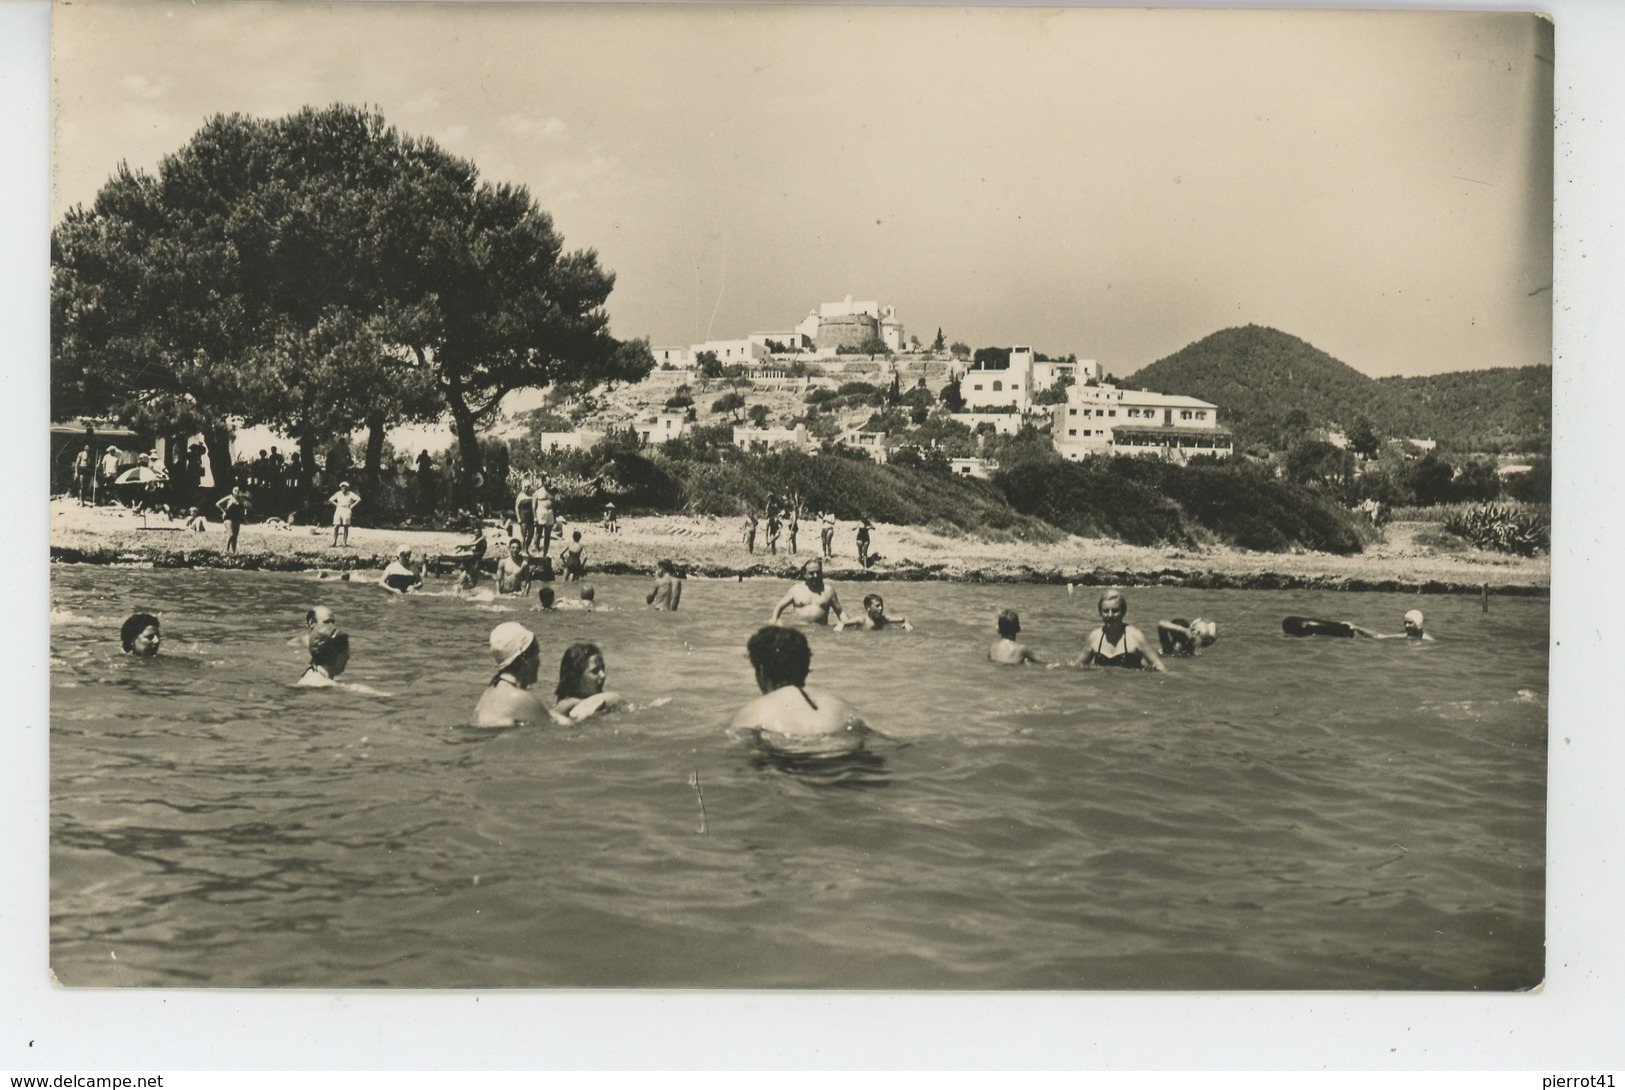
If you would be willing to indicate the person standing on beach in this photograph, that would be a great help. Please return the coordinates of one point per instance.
(827, 534)
(750, 533)
(84, 475)
(233, 508)
(109, 469)
(794, 527)
(863, 543)
(773, 532)
(542, 500)
(812, 599)
(524, 513)
(344, 502)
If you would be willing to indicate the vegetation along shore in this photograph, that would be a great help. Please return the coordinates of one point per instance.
(1415, 556)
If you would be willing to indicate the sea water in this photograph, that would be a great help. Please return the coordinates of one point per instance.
(1275, 813)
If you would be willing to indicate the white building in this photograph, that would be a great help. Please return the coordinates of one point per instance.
(731, 353)
(672, 357)
(661, 427)
(1020, 379)
(1104, 419)
(763, 439)
(1003, 423)
(872, 443)
(970, 467)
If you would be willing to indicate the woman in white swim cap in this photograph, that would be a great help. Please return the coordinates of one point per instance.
(508, 701)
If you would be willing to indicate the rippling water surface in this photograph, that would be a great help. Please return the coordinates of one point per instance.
(1277, 813)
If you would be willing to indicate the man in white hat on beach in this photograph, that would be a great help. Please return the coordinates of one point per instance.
(344, 502)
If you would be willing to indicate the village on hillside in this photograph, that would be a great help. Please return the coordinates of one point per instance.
(848, 354)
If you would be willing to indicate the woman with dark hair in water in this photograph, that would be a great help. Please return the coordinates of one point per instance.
(781, 660)
(139, 635)
(582, 674)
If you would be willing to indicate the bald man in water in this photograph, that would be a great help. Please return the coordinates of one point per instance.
(812, 598)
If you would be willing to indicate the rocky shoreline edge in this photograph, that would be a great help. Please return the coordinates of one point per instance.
(1198, 579)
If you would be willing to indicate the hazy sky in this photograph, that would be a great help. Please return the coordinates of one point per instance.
(1111, 183)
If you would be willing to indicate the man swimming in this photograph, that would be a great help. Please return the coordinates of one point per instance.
(812, 598)
(781, 659)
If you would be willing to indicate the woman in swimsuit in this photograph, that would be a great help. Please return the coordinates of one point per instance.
(580, 690)
(1115, 643)
(805, 719)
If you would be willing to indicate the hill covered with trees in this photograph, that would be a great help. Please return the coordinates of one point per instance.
(1271, 387)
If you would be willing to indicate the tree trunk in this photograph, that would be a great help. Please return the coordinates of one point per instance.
(468, 446)
(218, 440)
(375, 448)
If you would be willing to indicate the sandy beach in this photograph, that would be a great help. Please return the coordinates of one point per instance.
(712, 547)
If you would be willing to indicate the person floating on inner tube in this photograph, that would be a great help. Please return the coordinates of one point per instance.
(1310, 626)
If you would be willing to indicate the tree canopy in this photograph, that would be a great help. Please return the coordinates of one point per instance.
(318, 273)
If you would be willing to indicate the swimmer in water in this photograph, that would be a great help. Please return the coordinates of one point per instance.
(668, 589)
(1115, 643)
(508, 701)
(781, 659)
(329, 655)
(513, 571)
(812, 599)
(1182, 637)
(399, 577)
(1413, 629)
(1005, 650)
(1412, 624)
(874, 617)
(317, 619)
(580, 691)
(545, 599)
(139, 635)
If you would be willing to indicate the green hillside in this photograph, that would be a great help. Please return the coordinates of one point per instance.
(1261, 379)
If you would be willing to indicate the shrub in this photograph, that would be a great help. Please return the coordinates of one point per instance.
(1504, 527)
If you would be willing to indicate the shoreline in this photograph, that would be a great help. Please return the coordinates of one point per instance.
(710, 548)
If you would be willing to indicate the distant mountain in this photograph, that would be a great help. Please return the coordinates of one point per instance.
(1259, 377)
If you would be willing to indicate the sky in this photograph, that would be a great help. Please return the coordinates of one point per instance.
(1111, 183)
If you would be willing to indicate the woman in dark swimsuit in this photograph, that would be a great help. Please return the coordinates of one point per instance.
(1115, 643)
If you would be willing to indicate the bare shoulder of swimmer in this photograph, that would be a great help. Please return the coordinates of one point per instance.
(505, 707)
(787, 711)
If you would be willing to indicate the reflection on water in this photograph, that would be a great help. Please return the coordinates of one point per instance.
(1275, 813)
